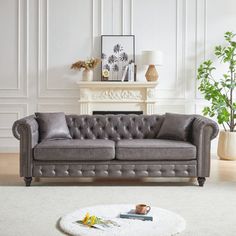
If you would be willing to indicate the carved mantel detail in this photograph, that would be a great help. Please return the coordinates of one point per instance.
(151, 93)
(117, 96)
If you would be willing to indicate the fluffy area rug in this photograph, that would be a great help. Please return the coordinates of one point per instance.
(208, 211)
(165, 222)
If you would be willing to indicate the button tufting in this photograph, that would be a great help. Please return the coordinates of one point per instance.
(91, 170)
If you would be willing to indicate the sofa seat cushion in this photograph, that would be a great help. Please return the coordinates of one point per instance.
(154, 149)
(75, 150)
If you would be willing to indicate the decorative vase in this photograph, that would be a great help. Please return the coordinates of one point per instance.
(151, 74)
(227, 145)
(87, 75)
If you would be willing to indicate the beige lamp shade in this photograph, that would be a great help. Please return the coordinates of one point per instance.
(152, 58)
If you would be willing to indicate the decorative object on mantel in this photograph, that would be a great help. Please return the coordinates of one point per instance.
(88, 66)
(221, 95)
(118, 52)
(152, 58)
(129, 73)
(105, 74)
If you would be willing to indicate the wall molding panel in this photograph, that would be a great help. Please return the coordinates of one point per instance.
(44, 88)
(201, 40)
(20, 90)
(177, 89)
(9, 112)
(69, 108)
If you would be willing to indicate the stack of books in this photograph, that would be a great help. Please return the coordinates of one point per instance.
(129, 73)
(132, 215)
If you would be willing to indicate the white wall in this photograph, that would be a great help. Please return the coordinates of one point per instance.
(41, 38)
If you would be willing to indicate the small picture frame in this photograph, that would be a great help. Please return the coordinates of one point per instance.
(117, 52)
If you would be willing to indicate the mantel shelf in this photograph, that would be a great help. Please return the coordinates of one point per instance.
(101, 84)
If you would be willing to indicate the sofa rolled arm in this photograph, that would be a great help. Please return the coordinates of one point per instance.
(203, 131)
(27, 123)
(200, 123)
(26, 130)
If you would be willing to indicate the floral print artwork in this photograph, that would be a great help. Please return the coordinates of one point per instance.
(117, 52)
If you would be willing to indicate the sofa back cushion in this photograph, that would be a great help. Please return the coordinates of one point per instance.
(114, 127)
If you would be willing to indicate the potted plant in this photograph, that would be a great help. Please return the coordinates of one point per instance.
(88, 66)
(221, 94)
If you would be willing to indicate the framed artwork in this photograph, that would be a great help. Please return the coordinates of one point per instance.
(118, 51)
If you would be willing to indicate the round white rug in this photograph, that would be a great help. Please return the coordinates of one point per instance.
(165, 223)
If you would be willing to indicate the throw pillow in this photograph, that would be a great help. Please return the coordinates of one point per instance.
(52, 126)
(176, 126)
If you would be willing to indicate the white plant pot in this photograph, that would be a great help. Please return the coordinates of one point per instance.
(87, 75)
(227, 145)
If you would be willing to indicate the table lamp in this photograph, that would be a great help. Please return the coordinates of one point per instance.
(152, 58)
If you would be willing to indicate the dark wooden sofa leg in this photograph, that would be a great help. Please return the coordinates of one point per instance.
(27, 181)
(201, 181)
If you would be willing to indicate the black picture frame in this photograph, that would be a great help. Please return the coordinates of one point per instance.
(116, 54)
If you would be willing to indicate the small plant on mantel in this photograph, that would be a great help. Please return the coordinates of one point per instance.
(220, 92)
(88, 66)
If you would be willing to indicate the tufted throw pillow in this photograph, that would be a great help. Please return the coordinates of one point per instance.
(52, 126)
(176, 126)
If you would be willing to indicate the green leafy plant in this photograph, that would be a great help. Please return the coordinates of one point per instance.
(220, 91)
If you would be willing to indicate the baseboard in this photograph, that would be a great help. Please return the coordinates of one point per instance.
(9, 149)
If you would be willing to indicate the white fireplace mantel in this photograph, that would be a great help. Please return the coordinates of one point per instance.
(117, 96)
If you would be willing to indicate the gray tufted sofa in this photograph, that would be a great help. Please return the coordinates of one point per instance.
(115, 146)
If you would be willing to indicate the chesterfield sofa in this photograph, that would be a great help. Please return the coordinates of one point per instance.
(113, 146)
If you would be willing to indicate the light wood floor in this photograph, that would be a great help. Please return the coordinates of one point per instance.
(9, 175)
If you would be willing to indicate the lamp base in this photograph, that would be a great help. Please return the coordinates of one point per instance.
(151, 74)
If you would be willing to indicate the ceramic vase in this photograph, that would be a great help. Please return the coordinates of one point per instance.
(227, 145)
(87, 75)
